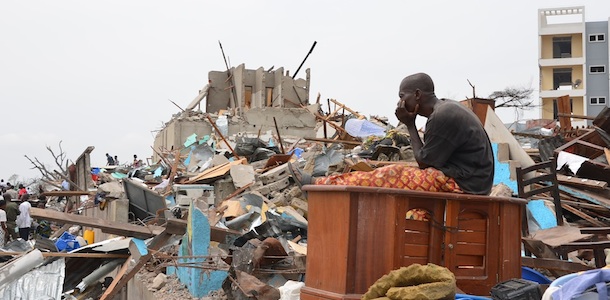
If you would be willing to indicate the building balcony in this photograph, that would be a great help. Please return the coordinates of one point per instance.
(562, 29)
(558, 62)
(562, 92)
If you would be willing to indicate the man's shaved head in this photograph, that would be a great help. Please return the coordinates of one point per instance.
(420, 81)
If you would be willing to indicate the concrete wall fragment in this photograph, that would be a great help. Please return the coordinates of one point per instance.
(199, 281)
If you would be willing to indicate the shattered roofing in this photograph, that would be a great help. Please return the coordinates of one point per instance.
(28, 286)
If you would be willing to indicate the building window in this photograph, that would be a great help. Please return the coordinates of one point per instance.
(562, 77)
(597, 100)
(597, 69)
(598, 37)
(562, 47)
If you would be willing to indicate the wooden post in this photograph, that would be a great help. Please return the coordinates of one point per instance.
(278, 136)
(221, 136)
(563, 107)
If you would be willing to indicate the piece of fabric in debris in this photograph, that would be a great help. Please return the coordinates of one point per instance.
(572, 160)
(396, 176)
(593, 278)
(363, 128)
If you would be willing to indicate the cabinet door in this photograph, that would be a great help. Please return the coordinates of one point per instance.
(472, 244)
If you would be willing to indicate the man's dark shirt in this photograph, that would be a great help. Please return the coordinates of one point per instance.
(456, 143)
(12, 210)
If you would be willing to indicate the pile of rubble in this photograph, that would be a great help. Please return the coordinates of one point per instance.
(221, 215)
(216, 213)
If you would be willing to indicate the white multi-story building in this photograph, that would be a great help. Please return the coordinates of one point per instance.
(573, 60)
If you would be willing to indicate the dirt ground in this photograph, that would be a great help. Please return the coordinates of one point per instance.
(173, 288)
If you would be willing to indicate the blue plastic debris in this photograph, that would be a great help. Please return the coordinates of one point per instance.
(67, 242)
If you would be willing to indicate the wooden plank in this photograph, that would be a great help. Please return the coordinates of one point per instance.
(554, 264)
(417, 226)
(470, 249)
(116, 279)
(596, 230)
(216, 171)
(585, 196)
(471, 260)
(581, 182)
(420, 238)
(409, 260)
(583, 215)
(575, 116)
(112, 227)
(473, 224)
(563, 106)
(155, 245)
(589, 206)
(415, 250)
(477, 237)
(355, 113)
(334, 141)
(559, 235)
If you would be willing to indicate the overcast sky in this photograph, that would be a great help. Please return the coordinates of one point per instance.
(101, 73)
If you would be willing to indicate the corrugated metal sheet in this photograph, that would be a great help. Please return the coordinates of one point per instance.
(45, 282)
(143, 202)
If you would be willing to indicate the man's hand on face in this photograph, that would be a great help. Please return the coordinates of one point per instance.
(405, 116)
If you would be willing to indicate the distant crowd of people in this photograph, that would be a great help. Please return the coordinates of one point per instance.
(114, 161)
(15, 219)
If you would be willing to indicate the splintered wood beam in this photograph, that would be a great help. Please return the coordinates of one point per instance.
(554, 264)
(72, 183)
(121, 280)
(581, 182)
(111, 227)
(583, 215)
(333, 141)
(116, 280)
(575, 116)
(355, 113)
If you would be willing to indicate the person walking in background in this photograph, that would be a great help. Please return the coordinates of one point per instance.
(10, 190)
(116, 160)
(12, 210)
(4, 234)
(136, 163)
(24, 220)
(109, 160)
(22, 195)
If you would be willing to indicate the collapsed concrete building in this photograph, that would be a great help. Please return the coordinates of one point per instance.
(252, 101)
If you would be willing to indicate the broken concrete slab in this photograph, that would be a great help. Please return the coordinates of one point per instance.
(242, 175)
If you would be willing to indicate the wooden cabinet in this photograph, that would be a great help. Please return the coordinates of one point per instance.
(358, 234)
